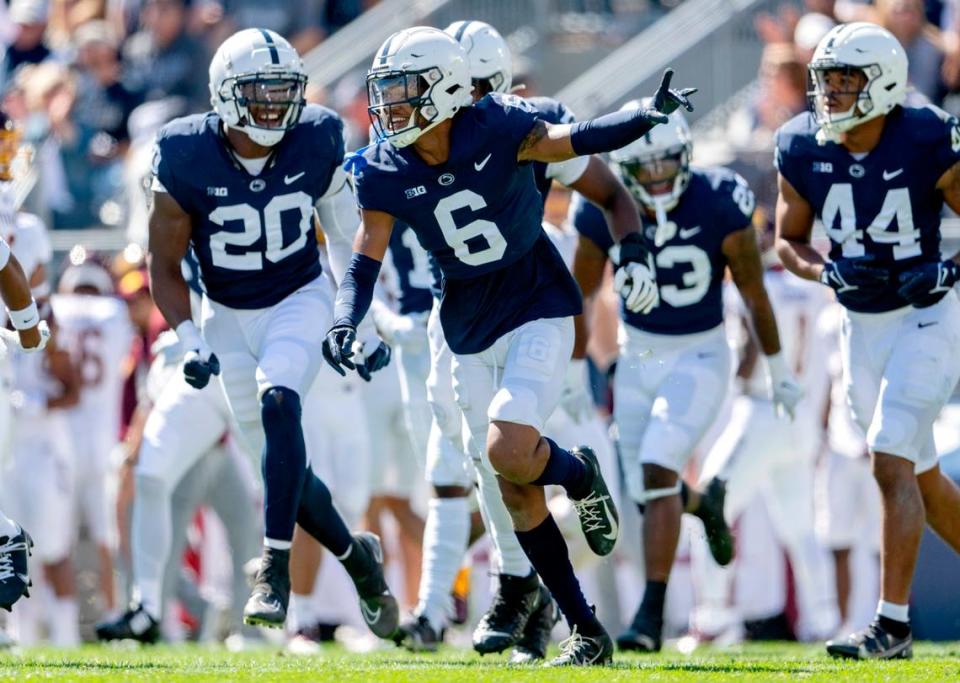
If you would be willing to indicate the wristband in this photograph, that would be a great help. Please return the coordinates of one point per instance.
(4, 253)
(25, 318)
(189, 336)
(777, 366)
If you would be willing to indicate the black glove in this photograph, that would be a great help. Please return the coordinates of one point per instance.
(667, 101)
(377, 360)
(338, 347)
(855, 278)
(197, 371)
(927, 283)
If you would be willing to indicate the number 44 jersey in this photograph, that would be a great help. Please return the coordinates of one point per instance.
(253, 234)
(479, 214)
(884, 205)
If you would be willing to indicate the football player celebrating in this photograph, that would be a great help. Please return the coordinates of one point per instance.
(239, 185)
(674, 366)
(522, 612)
(877, 173)
(459, 176)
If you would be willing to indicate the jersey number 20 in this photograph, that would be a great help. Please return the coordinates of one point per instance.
(254, 225)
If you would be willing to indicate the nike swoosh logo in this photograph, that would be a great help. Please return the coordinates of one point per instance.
(287, 179)
(480, 164)
(614, 527)
(892, 175)
(922, 325)
(687, 233)
(370, 616)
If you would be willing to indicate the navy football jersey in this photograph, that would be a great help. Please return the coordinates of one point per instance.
(690, 263)
(252, 235)
(885, 205)
(479, 214)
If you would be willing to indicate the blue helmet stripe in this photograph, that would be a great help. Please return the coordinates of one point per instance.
(274, 55)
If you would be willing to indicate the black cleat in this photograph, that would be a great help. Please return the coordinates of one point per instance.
(135, 624)
(643, 635)
(596, 510)
(873, 642)
(532, 646)
(503, 624)
(710, 512)
(579, 650)
(14, 577)
(268, 602)
(417, 635)
(377, 605)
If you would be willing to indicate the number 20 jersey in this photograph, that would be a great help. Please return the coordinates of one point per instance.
(253, 235)
(884, 206)
(479, 214)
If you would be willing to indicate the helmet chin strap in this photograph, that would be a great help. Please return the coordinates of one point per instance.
(665, 229)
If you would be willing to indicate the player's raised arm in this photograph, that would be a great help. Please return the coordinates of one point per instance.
(546, 142)
(22, 309)
(356, 288)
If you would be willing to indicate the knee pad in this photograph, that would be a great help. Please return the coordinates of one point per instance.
(280, 406)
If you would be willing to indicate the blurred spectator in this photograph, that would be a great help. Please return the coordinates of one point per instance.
(299, 21)
(29, 46)
(906, 19)
(66, 16)
(163, 60)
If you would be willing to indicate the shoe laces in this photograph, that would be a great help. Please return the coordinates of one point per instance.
(7, 549)
(571, 647)
(591, 511)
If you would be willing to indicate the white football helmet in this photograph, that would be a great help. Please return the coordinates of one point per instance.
(488, 54)
(418, 79)
(257, 85)
(656, 167)
(870, 49)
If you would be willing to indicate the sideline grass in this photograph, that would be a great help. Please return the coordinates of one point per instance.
(779, 661)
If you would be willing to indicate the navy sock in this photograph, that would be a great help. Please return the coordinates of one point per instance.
(547, 550)
(564, 470)
(320, 519)
(653, 597)
(284, 462)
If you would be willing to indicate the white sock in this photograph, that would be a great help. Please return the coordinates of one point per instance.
(150, 542)
(276, 544)
(7, 526)
(64, 622)
(445, 537)
(302, 614)
(512, 559)
(892, 610)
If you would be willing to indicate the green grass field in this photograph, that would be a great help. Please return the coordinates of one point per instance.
(779, 661)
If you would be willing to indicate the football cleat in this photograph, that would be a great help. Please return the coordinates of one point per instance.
(580, 650)
(532, 646)
(596, 510)
(379, 608)
(517, 598)
(14, 577)
(643, 635)
(710, 512)
(135, 624)
(417, 635)
(268, 602)
(872, 642)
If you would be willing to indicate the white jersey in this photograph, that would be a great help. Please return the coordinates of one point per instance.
(98, 333)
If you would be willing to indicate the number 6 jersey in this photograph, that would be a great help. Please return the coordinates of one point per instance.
(253, 234)
(479, 214)
(884, 205)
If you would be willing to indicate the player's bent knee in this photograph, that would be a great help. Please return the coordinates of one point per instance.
(280, 406)
(512, 450)
(892, 472)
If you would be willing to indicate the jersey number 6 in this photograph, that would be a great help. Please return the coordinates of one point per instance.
(457, 237)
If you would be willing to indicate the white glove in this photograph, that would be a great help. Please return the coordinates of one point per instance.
(408, 332)
(637, 285)
(575, 399)
(784, 389)
(13, 338)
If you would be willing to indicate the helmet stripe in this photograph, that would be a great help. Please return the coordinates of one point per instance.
(386, 49)
(274, 55)
(462, 30)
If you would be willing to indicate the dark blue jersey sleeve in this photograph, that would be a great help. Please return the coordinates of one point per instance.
(735, 202)
(589, 221)
(507, 116)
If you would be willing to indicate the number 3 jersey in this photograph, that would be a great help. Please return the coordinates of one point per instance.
(885, 205)
(688, 255)
(479, 214)
(253, 235)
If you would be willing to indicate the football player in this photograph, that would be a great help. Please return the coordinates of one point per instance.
(520, 598)
(674, 365)
(459, 176)
(240, 185)
(877, 173)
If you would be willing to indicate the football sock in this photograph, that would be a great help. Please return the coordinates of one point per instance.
(894, 618)
(445, 537)
(284, 464)
(64, 622)
(547, 551)
(320, 519)
(150, 540)
(7, 526)
(653, 597)
(563, 469)
(301, 611)
(511, 558)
